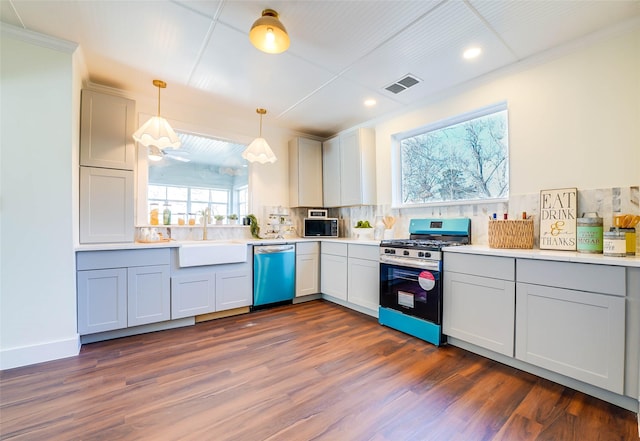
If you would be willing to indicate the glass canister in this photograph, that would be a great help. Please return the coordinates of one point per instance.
(615, 243)
(589, 233)
(630, 239)
(154, 211)
(166, 214)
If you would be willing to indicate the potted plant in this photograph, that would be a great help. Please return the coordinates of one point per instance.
(219, 218)
(363, 230)
(233, 218)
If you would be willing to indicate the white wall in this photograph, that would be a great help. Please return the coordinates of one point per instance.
(574, 119)
(38, 146)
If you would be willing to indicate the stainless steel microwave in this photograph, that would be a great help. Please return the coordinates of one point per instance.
(321, 227)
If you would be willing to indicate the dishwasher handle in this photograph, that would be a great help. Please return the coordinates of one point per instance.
(270, 249)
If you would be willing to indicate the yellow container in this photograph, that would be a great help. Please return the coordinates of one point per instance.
(153, 214)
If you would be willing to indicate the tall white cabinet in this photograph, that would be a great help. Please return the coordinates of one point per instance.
(349, 169)
(305, 173)
(107, 161)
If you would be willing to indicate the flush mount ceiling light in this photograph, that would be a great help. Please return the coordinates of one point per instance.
(157, 132)
(472, 53)
(268, 34)
(259, 150)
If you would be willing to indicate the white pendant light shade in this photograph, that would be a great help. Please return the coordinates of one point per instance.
(157, 132)
(259, 150)
(268, 34)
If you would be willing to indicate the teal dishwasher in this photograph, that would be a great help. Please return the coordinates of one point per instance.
(274, 274)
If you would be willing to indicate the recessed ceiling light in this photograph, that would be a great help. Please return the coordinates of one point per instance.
(370, 102)
(471, 53)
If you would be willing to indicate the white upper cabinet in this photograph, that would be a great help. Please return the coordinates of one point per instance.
(331, 172)
(349, 168)
(305, 173)
(106, 129)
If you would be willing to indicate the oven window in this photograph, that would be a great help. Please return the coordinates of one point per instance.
(415, 292)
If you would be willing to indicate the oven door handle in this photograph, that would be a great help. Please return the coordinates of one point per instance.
(411, 263)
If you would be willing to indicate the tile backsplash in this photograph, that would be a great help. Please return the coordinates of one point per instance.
(606, 202)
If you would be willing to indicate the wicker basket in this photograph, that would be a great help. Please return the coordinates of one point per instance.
(511, 233)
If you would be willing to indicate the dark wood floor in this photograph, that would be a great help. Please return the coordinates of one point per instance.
(313, 371)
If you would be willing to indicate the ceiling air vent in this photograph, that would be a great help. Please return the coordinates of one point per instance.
(402, 84)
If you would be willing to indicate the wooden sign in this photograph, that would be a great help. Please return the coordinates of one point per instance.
(558, 214)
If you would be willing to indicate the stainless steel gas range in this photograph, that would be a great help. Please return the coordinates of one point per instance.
(411, 276)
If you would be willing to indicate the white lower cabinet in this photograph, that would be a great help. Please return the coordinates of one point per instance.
(233, 290)
(148, 295)
(333, 262)
(350, 273)
(479, 301)
(574, 333)
(363, 276)
(122, 288)
(102, 300)
(307, 268)
(570, 319)
(480, 310)
(192, 294)
(205, 289)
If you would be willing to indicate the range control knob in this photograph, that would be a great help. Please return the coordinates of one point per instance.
(406, 252)
(427, 254)
(420, 254)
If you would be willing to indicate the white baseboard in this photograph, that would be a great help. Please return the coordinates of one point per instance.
(26, 355)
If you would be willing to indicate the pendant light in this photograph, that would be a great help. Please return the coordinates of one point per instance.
(157, 132)
(268, 34)
(259, 150)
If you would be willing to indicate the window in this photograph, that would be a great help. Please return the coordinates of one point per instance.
(204, 173)
(185, 200)
(461, 159)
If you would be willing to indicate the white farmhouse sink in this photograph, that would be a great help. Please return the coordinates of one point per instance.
(214, 252)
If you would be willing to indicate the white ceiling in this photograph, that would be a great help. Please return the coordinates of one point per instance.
(341, 52)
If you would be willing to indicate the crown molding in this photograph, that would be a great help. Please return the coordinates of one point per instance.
(37, 38)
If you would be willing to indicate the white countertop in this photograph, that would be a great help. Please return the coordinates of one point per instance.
(562, 256)
(175, 244)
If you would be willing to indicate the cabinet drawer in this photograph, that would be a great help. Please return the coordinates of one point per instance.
(580, 276)
(87, 260)
(368, 252)
(477, 265)
(336, 249)
(307, 247)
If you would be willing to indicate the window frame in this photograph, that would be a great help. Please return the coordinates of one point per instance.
(396, 158)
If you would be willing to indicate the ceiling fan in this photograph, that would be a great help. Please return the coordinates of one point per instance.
(157, 154)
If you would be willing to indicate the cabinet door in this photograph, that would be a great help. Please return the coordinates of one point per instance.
(334, 275)
(106, 205)
(106, 129)
(331, 172)
(102, 300)
(305, 173)
(351, 182)
(149, 295)
(574, 333)
(233, 290)
(193, 294)
(479, 310)
(364, 283)
(307, 274)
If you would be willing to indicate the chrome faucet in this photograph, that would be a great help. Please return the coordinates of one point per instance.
(206, 218)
